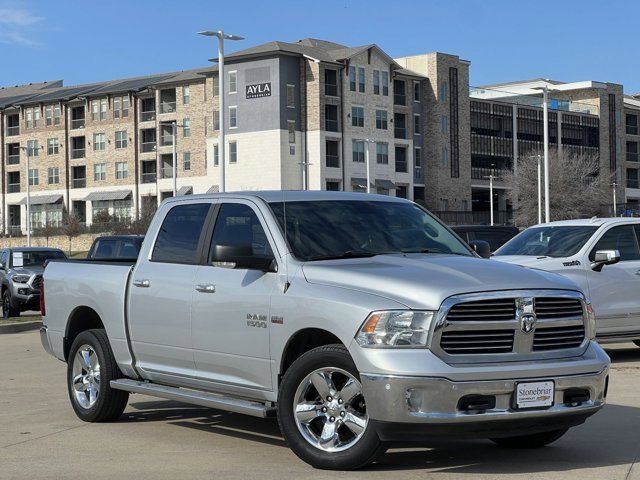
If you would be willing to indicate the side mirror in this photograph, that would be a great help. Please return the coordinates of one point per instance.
(604, 257)
(481, 247)
(241, 256)
(1, 266)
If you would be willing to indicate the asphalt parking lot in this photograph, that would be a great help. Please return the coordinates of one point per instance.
(40, 437)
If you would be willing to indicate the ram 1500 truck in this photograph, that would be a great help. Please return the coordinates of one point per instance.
(360, 321)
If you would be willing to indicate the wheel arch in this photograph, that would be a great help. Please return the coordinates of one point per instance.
(82, 318)
(301, 342)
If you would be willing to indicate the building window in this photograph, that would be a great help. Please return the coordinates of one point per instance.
(95, 110)
(116, 107)
(216, 120)
(632, 124)
(99, 207)
(382, 153)
(36, 117)
(216, 86)
(291, 96)
(401, 159)
(361, 79)
(443, 91)
(399, 92)
(122, 170)
(416, 91)
(186, 161)
(53, 146)
(445, 156)
(292, 149)
(331, 118)
(28, 118)
(233, 85)
(632, 178)
(48, 115)
(99, 172)
(216, 155)
(120, 107)
(357, 116)
(417, 164)
(632, 151)
(332, 157)
(13, 182)
(381, 119)
(186, 94)
(233, 152)
(443, 124)
(401, 191)
(233, 117)
(53, 175)
(376, 82)
(32, 148)
(99, 142)
(331, 82)
(121, 139)
(125, 106)
(186, 127)
(34, 179)
(291, 127)
(358, 151)
(416, 124)
(103, 109)
(352, 79)
(332, 186)
(122, 209)
(385, 83)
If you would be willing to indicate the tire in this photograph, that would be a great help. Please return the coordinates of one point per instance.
(9, 308)
(92, 397)
(535, 440)
(351, 446)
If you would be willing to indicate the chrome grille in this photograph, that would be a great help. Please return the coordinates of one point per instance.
(477, 341)
(554, 338)
(37, 282)
(499, 309)
(557, 307)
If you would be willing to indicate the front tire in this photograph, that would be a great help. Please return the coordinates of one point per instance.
(535, 440)
(322, 413)
(90, 368)
(9, 309)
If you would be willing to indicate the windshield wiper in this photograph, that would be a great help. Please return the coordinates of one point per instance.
(347, 254)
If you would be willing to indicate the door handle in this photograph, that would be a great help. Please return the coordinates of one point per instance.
(142, 283)
(206, 288)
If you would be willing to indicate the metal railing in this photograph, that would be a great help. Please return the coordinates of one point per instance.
(148, 147)
(331, 89)
(482, 173)
(78, 153)
(399, 99)
(331, 125)
(13, 159)
(148, 116)
(633, 156)
(79, 183)
(167, 107)
(167, 172)
(13, 187)
(400, 132)
(456, 217)
(401, 166)
(77, 123)
(632, 183)
(13, 131)
(149, 177)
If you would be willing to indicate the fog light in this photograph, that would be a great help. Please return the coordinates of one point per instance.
(23, 291)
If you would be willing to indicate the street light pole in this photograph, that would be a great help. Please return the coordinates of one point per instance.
(26, 150)
(221, 141)
(539, 190)
(615, 202)
(545, 119)
(174, 130)
(368, 165)
(490, 177)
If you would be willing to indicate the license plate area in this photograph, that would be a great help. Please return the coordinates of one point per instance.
(530, 395)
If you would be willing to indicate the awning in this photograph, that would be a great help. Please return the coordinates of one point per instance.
(386, 184)
(359, 183)
(214, 189)
(108, 195)
(41, 200)
(185, 191)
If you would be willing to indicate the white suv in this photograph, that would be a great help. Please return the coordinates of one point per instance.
(601, 255)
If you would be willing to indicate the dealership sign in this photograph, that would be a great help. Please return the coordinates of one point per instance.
(259, 90)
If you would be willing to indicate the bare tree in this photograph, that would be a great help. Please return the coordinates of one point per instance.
(578, 188)
(147, 211)
(47, 231)
(71, 227)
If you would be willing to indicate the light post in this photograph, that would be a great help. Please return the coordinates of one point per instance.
(367, 162)
(615, 202)
(539, 189)
(490, 177)
(545, 129)
(221, 145)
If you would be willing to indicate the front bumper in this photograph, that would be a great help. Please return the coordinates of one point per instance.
(44, 338)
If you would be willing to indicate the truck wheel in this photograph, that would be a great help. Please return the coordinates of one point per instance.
(535, 440)
(90, 368)
(9, 309)
(322, 412)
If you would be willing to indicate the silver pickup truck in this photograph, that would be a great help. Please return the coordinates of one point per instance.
(360, 321)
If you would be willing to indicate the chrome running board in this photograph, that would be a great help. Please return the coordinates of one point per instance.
(195, 397)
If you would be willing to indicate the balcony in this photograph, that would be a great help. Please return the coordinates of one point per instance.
(79, 183)
(167, 172)
(401, 166)
(400, 132)
(633, 156)
(399, 99)
(13, 131)
(77, 123)
(148, 116)
(632, 183)
(168, 107)
(13, 159)
(78, 153)
(149, 177)
(482, 173)
(13, 187)
(146, 147)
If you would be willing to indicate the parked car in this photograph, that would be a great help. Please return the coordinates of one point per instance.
(494, 235)
(602, 255)
(360, 321)
(21, 276)
(115, 247)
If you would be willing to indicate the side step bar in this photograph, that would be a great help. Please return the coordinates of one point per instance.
(195, 397)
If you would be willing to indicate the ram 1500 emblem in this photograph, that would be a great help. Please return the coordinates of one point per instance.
(255, 320)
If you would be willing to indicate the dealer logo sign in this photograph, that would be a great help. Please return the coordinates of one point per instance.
(258, 90)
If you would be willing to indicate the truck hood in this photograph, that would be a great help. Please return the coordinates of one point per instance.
(27, 270)
(424, 281)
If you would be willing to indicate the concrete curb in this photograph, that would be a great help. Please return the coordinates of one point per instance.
(20, 327)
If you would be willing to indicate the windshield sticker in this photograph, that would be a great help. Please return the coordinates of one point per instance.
(18, 261)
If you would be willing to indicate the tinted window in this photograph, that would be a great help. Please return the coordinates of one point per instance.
(129, 248)
(495, 238)
(548, 241)
(179, 235)
(620, 238)
(238, 224)
(106, 248)
(323, 229)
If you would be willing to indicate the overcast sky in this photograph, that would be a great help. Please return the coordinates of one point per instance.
(86, 41)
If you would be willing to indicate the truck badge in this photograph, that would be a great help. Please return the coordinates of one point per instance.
(527, 322)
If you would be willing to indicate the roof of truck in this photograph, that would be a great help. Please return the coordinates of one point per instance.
(298, 195)
(596, 221)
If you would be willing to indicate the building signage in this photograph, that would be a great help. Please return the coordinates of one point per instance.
(259, 90)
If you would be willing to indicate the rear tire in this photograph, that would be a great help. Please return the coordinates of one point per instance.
(9, 309)
(90, 368)
(327, 426)
(535, 440)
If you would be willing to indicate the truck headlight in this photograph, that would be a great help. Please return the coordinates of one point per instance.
(395, 329)
(591, 322)
(20, 278)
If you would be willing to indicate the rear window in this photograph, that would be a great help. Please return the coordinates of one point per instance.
(106, 248)
(180, 233)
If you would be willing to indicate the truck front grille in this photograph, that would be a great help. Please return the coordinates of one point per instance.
(520, 324)
(37, 282)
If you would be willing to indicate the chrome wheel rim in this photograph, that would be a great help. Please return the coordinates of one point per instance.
(329, 409)
(85, 380)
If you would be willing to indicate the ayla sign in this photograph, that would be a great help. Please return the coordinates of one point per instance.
(259, 90)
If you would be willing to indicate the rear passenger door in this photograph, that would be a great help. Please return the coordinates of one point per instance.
(615, 291)
(230, 310)
(161, 293)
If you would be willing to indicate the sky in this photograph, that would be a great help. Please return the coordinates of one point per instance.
(87, 41)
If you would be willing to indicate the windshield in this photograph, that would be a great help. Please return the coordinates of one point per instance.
(548, 241)
(326, 229)
(34, 258)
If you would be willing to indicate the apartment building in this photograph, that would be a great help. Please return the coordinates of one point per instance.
(631, 144)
